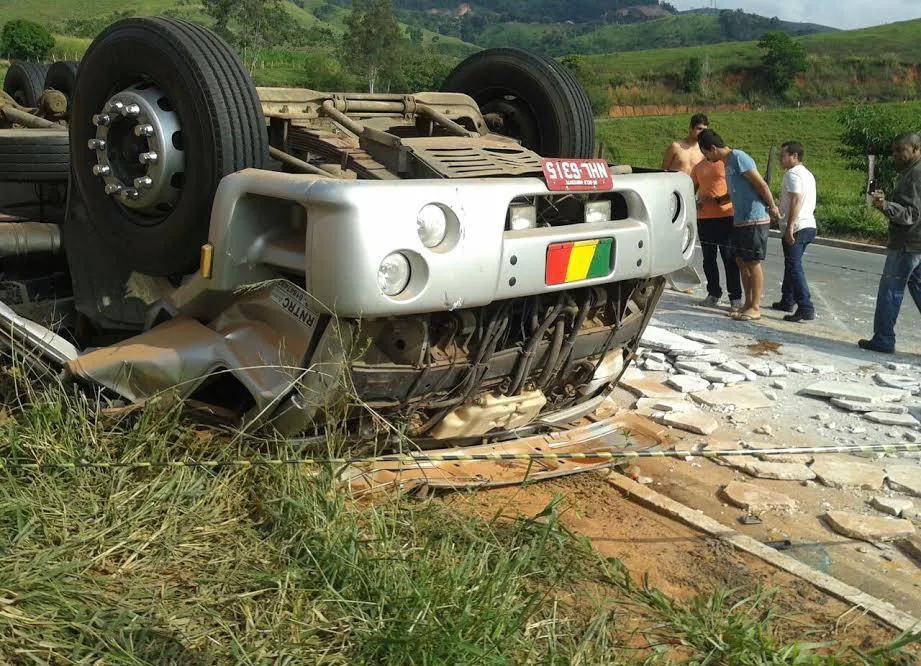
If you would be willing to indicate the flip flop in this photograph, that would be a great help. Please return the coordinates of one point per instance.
(741, 316)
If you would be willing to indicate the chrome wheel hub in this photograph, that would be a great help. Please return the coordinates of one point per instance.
(140, 154)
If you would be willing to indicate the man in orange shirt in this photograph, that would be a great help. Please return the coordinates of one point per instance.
(714, 228)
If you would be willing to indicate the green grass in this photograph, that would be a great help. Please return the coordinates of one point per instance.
(840, 210)
(281, 565)
(880, 63)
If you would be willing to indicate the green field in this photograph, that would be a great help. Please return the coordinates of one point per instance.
(642, 141)
(880, 63)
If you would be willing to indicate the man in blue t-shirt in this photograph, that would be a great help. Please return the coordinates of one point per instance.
(752, 208)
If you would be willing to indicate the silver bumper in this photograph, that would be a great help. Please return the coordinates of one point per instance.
(348, 227)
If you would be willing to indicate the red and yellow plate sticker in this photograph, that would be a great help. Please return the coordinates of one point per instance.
(578, 260)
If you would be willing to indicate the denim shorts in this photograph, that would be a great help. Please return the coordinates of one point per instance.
(749, 243)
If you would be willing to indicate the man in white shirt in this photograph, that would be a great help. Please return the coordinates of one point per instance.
(797, 224)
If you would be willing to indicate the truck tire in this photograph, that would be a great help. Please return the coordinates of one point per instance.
(24, 82)
(207, 123)
(62, 76)
(34, 156)
(539, 101)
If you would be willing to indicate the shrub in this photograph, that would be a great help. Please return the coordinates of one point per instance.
(26, 39)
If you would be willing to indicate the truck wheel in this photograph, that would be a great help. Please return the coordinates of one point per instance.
(163, 110)
(24, 82)
(34, 156)
(528, 97)
(62, 76)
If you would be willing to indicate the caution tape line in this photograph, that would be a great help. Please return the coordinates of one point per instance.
(411, 460)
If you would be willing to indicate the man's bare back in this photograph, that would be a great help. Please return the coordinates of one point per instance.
(682, 156)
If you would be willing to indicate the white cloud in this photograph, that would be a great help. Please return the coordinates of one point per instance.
(845, 14)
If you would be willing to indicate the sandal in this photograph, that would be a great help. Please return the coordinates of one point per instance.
(741, 316)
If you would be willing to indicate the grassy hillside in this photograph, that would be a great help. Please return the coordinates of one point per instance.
(641, 142)
(881, 63)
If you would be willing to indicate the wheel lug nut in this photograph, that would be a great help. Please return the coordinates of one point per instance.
(113, 188)
(149, 158)
(101, 170)
(132, 110)
(116, 107)
(96, 144)
(143, 183)
(102, 119)
(143, 130)
(129, 193)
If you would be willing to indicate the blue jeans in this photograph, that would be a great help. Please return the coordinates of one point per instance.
(901, 269)
(794, 289)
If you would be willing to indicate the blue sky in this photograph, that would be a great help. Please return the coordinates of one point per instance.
(843, 14)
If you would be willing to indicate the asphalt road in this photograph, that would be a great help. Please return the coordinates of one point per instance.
(843, 285)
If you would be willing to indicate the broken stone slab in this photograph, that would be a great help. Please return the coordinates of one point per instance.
(687, 383)
(836, 473)
(695, 421)
(658, 339)
(779, 384)
(853, 391)
(869, 528)
(700, 337)
(897, 381)
(894, 506)
(697, 367)
(656, 356)
(800, 368)
(678, 404)
(745, 396)
(898, 367)
(632, 372)
(755, 499)
(723, 377)
(904, 420)
(648, 388)
(904, 479)
(822, 369)
(738, 369)
(651, 365)
(910, 547)
(766, 469)
(865, 407)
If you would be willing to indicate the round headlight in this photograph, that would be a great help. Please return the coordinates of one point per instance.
(674, 206)
(432, 225)
(393, 274)
(687, 239)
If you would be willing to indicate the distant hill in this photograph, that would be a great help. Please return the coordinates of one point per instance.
(880, 63)
(553, 27)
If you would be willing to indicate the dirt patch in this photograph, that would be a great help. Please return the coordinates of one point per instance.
(682, 563)
(764, 347)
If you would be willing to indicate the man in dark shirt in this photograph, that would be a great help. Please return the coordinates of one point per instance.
(903, 251)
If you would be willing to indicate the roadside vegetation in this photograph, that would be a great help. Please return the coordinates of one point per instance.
(282, 565)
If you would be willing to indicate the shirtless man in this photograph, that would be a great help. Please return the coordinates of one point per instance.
(683, 156)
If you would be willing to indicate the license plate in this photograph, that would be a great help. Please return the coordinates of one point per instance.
(564, 175)
(578, 260)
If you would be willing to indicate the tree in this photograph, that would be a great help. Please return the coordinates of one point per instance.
(372, 40)
(870, 130)
(784, 58)
(693, 73)
(26, 39)
(249, 25)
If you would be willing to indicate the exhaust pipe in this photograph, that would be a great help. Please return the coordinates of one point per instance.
(19, 239)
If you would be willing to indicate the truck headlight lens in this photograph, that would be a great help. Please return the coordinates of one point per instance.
(393, 274)
(687, 239)
(432, 225)
(674, 206)
(521, 217)
(597, 211)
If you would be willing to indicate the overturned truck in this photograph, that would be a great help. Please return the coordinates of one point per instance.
(455, 264)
